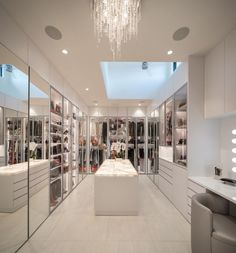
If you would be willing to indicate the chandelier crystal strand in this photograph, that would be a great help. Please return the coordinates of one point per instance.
(116, 19)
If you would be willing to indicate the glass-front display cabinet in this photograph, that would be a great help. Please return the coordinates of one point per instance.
(136, 143)
(117, 137)
(140, 144)
(169, 121)
(180, 127)
(98, 142)
(56, 149)
(162, 124)
(153, 147)
(74, 146)
(82, 145)
(131, 144)
(67, 146)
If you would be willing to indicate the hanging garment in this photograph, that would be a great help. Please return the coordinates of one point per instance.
(104, 132)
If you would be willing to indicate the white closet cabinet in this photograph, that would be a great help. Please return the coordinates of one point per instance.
(180, 188)
(230, 72)
(214, 82)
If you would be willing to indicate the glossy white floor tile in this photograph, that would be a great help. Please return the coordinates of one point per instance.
(73, 227)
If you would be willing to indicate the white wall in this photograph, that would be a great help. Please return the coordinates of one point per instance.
(13, 38)
(227, 125)
(175, 82)
(13, 103)
(203, 135)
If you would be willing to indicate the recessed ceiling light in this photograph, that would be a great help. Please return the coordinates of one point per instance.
(86, 89)
(139, 104)
(169, 52)
(64, 51)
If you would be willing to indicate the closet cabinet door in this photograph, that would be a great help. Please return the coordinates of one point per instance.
(230, 72)
(214, 82)
(180, 189)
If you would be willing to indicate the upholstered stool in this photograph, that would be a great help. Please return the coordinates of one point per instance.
(213, 224)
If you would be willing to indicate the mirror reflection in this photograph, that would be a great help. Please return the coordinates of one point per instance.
(38, 151)
(13, 156)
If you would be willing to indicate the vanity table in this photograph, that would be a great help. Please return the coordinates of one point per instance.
(14, 183)
(217, 186)
(116, 188)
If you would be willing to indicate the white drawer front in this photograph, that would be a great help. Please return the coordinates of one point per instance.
(165, 187)
(196, 187)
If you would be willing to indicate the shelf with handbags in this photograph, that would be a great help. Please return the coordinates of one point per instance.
(82, 145)
(180, 127)
(56, 153)
(74, 146)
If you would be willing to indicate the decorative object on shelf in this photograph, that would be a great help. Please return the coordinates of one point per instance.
(117, 20)
(118, 150)
(218, 172)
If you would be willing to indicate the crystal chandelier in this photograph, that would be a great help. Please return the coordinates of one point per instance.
(117, 20)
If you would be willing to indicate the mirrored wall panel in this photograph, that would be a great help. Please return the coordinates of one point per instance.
(13, 152)
(39, 141)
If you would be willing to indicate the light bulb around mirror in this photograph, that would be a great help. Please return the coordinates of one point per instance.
(234, 131)
(234, 141)
(234, 169)
(234, 160)
(234, 150)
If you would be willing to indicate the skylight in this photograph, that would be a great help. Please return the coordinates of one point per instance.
(134, 80)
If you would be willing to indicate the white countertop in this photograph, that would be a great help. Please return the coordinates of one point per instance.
(21, 167)
(112, 167)
(217, 186)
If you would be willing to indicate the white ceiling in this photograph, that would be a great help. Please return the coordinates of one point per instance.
(209, 21)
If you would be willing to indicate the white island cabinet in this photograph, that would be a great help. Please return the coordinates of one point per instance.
(116, 188)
